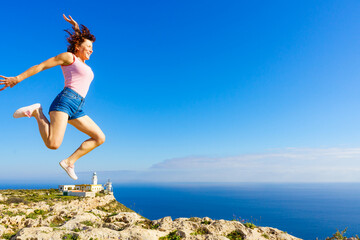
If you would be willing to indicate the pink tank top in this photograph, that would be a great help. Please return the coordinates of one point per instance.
(78, 76)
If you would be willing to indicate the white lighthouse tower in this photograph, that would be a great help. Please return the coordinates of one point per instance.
(108, 187)
(94, 179)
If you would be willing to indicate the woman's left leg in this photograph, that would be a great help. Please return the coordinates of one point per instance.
(86, 125)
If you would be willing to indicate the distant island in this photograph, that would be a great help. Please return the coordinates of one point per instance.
(49, 214)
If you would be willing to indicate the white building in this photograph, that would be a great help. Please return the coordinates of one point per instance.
(63, 188)
(89, 187)
(79, 189)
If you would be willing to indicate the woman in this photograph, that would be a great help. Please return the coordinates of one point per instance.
(68, 105)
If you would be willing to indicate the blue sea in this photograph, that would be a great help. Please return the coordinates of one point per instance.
(307, 211)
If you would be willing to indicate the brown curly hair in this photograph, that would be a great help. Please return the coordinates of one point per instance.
(78, 37)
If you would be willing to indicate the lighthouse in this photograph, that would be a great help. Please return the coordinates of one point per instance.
(94, 179)
(108, 187)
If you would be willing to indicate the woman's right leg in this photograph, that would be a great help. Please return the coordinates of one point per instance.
(51, 132)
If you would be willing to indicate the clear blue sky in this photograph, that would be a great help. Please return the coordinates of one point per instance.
(176, 81)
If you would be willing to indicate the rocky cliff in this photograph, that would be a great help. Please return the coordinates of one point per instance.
(45, 214)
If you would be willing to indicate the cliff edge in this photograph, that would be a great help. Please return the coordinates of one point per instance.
(46, 214)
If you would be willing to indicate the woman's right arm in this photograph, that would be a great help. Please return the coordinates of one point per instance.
(72, 22)
(65, 58)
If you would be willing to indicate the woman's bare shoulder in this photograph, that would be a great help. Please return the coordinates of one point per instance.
(66, 57)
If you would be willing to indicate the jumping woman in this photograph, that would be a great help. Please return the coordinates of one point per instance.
(68, 105)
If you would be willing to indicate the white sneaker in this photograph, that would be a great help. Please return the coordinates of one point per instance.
(69, 170)
(26, 111)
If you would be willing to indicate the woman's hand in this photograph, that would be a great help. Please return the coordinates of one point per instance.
(8, 82)
(72, 22)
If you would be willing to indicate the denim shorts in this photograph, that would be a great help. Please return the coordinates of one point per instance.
(70, 102)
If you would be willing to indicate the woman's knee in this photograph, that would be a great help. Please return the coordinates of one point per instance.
(100, 139)
(53, 145)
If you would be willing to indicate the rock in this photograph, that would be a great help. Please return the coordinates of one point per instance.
(99, 233)
(184, 223)
(85, 219)
(138, 233)
(39, 233)
(2, 198)
(125, 217)
(31, 222)
(195, 219)
(115, 226)
(2, 229)
(164, 223)
(18, 221)
(223, 227)
(206, 219)
(98, 212)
